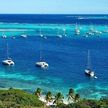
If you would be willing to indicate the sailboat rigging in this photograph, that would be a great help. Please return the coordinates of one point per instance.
(89, 71)
(8, 60)
(41, 63)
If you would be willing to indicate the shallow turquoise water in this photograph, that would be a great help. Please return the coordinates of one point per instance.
(16, 29)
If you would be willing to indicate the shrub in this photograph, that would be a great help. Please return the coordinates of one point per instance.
(15, 97)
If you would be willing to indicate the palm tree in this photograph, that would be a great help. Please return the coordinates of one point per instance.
(59, 98)
(48, 97)
(71, 94)
(38, 92)
(77, 97)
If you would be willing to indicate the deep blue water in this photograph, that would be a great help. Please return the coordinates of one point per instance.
(67, 58)
(55, 19)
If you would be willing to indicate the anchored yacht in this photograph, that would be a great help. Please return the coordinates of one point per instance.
(24, 36)
(77, 30)
(58, 34)
(4, 36)
(41, 63)
(8, 61)
(89, 71)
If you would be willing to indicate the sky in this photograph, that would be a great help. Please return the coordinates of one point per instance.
(53, 6)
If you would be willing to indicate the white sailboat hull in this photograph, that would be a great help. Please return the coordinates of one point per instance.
(8, 62)
(77, 32)
(42, 64)
(60, 36)
(24, 36)
(90, 73)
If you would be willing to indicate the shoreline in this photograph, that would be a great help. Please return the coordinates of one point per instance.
(42, 98)
(25, 99)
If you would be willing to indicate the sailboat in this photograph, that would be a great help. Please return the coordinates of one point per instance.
(8, 61)
(58, 34)
(41, 63)
(4, 36)
(64, 32)
(77, 31)
(41, 35)
(24, 36)
(89, 71)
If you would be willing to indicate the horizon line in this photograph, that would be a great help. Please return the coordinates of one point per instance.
(54, 14)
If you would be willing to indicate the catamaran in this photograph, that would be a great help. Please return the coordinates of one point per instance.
(89, 71)
(8, 61)
(41, 63)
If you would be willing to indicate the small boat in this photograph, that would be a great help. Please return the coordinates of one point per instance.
(58, 34)
(90, 33)
(8, 61)
(4, 36)
(43, 36)
(13, 37)
(41, 63)
(24, 36)
(40, 33)
(77, 31)
(89, 72)
(64, 32)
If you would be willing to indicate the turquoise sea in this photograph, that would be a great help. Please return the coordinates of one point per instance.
(67, 56)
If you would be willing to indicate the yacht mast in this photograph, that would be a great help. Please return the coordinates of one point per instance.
(7, 51)
(40, 51)
(88, 60)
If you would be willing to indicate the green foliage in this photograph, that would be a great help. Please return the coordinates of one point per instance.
(59, 98)
(48, 96)
(71, 95)
(77, 105)
(77, 97)
(38, 92)
(14, 98)
(71, 92)
(90, 103)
